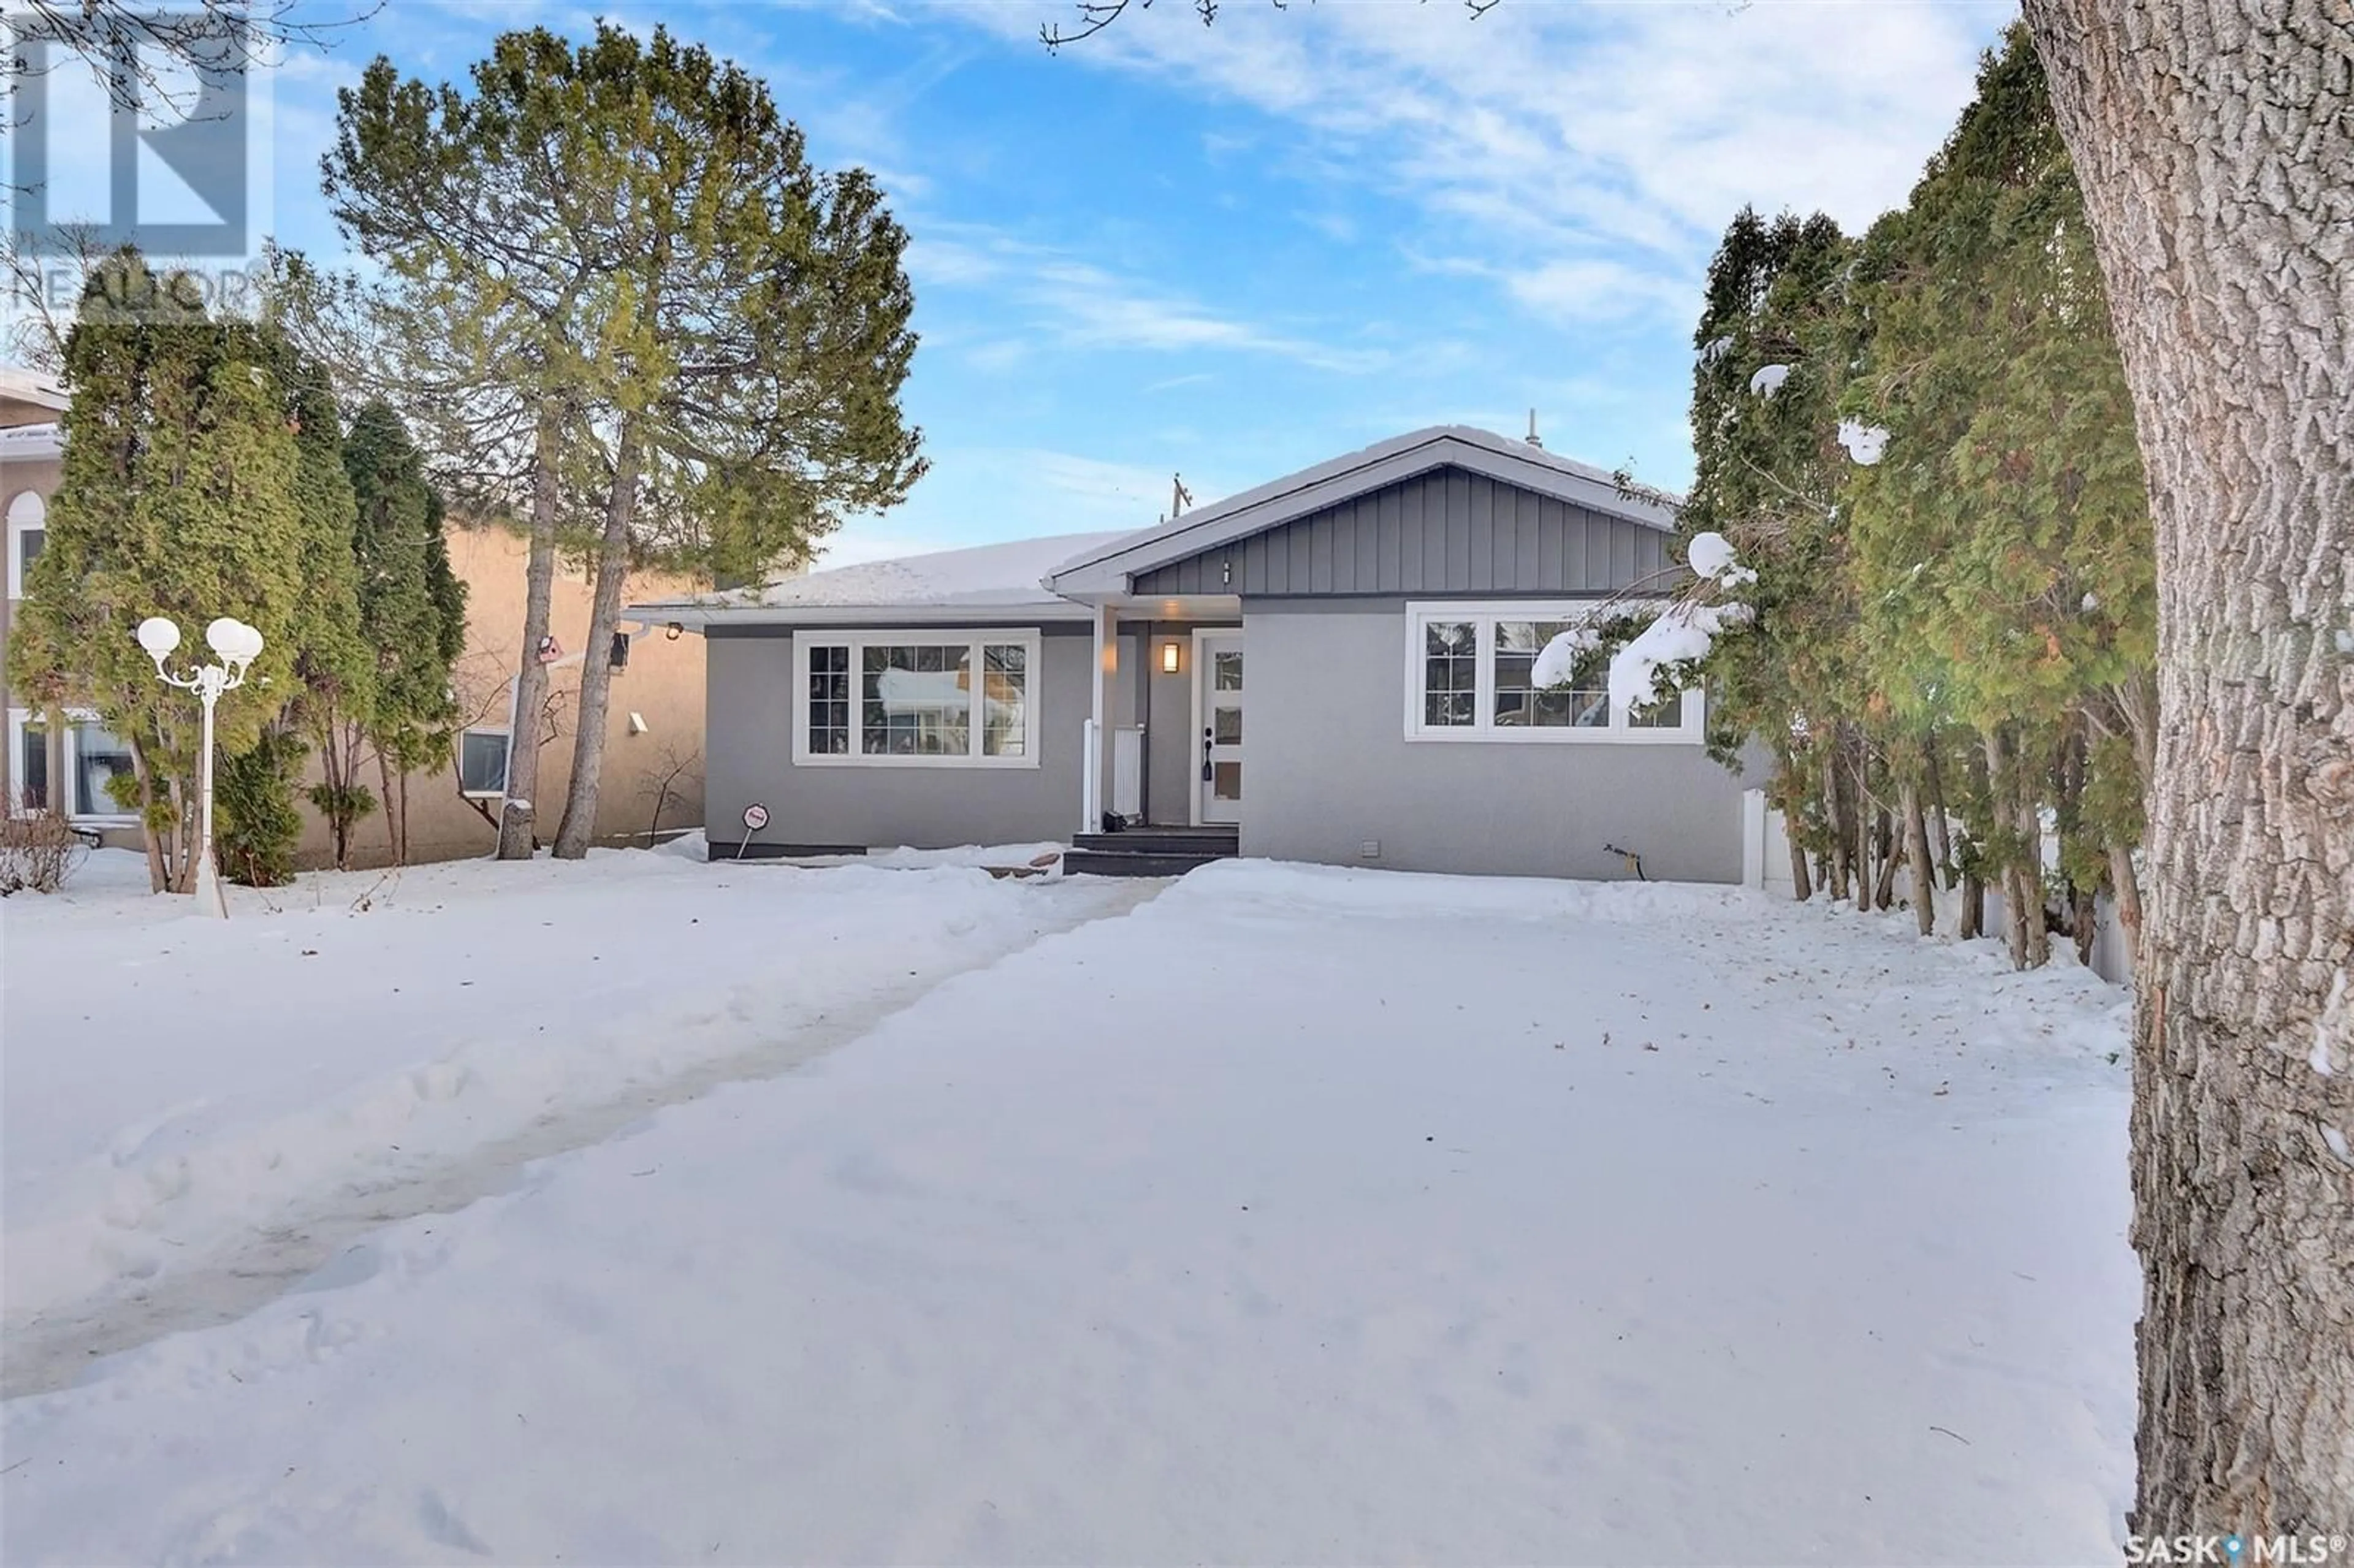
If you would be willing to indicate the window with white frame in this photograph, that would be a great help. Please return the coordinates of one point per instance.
(94, 757)
(482, 763)
(915, 699)
(1469, 676)
(91, 757)
(29, 530)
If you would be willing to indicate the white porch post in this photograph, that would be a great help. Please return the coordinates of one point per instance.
(1098, 732)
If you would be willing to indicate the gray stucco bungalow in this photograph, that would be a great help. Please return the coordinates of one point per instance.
(1335, 665)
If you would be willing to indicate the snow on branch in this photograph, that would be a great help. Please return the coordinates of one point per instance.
(1864, 444)
(1672, 645)
(1768, 379)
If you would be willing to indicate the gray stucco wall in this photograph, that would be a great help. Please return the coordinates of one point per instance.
(1328, 766)
(749, 757)
(1446, 532)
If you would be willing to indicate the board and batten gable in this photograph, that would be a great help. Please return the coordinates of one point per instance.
(1447, 533)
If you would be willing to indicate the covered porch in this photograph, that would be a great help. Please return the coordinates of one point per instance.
(1165, 763)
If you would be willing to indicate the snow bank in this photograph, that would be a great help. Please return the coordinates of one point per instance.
(1305, 1215)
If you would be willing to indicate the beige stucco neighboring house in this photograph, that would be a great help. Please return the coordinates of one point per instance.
(653, 745)
(653, 753)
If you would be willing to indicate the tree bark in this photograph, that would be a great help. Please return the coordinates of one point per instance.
(2036, 928)
(2214, 141)
(159, 868)
(1801, 888)
(2125, 885)
(1883, 887)
(518, 840)
(1862, 826)
(396, 814)
(1916, 853)
(1999, 767)
(1937, 812)
(1835, 873)
(579, 823)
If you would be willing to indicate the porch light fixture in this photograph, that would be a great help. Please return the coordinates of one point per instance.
(237, 645)
(1169, 657)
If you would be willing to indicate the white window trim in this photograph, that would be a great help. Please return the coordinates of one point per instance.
(503, 732)
(1483, 614)
(858, 641)
(17, 528)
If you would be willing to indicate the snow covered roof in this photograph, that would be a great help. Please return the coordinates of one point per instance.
(31, 387)
(947, 585)
(1106, 570)
(27, 443)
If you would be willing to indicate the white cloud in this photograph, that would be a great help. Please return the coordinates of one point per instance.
(1588, 147)
(1078, 304)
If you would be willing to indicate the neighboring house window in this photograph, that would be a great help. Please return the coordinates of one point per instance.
(1469, 678)
(94, 756)
(912, 699)
(28, 518)
(482, 762)
(28, 761)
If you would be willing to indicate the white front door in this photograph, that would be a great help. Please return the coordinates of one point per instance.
(1218, 726)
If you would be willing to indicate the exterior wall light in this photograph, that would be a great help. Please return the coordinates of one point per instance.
(1169, 657)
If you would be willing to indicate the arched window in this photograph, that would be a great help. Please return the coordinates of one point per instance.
(29, 529)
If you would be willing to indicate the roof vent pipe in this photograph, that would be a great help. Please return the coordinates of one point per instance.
(1532, 431)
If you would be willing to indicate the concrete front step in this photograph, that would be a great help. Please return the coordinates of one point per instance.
(1138, 863)
(1207, 843)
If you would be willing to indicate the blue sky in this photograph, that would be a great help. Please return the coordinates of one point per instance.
(1233, 252)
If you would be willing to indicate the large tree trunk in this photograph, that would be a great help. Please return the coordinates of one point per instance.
(580, 824)
(2215, 142)
(516, 838)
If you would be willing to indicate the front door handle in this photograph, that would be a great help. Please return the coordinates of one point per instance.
(1206, 774)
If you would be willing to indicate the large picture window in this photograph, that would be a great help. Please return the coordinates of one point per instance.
(1469, 676)
(915, 699)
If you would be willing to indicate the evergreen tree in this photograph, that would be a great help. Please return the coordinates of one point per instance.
(2001, 546)
(178, 498)
(413, 612)
(334, 662)
(633, 233)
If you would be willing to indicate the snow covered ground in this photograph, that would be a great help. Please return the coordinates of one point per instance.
(196, 1110)
(1289, 1216)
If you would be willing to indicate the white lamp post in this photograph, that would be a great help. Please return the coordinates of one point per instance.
(239, 645)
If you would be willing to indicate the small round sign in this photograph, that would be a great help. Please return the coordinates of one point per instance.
(756, 817)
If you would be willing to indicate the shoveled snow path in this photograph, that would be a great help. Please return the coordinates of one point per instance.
(1298, 1216)
(717, 1028)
